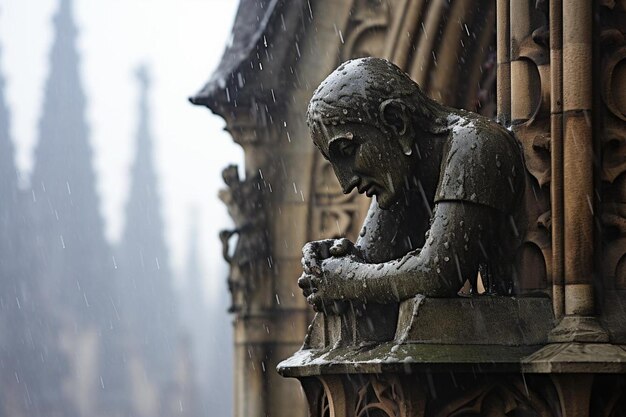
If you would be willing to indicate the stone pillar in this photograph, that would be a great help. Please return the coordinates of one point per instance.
(556, 163)
(577, 159)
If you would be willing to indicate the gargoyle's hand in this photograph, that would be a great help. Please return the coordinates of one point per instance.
(308, 283)
(313, 253)
(329, 291)
(321, 295)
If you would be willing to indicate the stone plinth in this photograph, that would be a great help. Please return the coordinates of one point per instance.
(451, 357)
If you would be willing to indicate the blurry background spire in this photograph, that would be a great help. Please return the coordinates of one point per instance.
(84, 332)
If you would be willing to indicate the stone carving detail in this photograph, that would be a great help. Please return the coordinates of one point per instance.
(395, 395)
(423, 161)
(324, 406)
(501, 397)
(249, 258)
(461, 395)
(381, 396)
(612, 136)
(531, 124)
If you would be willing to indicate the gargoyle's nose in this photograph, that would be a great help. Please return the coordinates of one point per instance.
(350, 184)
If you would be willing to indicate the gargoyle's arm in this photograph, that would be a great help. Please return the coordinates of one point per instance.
(389, 234)
(450, 255)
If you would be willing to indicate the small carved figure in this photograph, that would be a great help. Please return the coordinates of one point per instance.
(448, 185)
(245, 204)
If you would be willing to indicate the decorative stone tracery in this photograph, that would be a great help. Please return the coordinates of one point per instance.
(454, 395)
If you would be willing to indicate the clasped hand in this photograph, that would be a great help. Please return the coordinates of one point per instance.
(324, 281)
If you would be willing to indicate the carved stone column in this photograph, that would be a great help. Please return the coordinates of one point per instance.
(575, 161)
(578, 155)
(545, 50)
(556, 163)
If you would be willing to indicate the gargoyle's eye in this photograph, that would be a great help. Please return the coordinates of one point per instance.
(346, 149)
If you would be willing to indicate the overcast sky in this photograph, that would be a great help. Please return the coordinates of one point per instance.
(182, 42)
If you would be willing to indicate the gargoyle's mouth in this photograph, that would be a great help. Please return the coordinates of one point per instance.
(369, 189)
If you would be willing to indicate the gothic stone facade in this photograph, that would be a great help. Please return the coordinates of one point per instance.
(554, 72)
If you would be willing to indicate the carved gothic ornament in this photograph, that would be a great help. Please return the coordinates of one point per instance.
(460, 395)
(250, 258)
(530, 114)
(612, 137)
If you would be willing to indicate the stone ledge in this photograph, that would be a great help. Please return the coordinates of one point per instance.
(477, 334)
(411, 358)
(405, 358)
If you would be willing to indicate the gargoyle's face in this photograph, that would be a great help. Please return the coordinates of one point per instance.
(364, 157)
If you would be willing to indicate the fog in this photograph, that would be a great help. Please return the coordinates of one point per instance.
(113, 286)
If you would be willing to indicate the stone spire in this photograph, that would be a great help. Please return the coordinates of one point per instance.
(65, 278)
(19, 342)
(10, 210)
(74, 256)
(148, 301)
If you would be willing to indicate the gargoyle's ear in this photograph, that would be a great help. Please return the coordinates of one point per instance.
(393, 114)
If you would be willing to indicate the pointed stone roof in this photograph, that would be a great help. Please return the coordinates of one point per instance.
(252, 63)
(147, 297)
(75, 257)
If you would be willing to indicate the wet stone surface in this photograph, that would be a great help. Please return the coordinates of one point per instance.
(446, 186)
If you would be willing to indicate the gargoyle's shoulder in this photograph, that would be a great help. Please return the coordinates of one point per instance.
(478, 131)
(482, 163)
